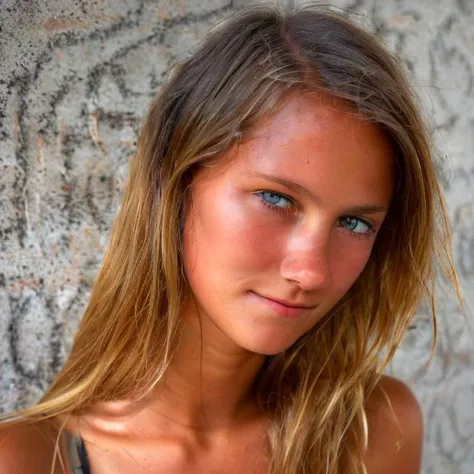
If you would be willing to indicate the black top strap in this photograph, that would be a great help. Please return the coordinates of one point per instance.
(76, 454)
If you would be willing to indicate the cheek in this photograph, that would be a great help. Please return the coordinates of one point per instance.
(227, 234)
(348, 261)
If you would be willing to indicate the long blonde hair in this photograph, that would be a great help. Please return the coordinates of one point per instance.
(314, 392)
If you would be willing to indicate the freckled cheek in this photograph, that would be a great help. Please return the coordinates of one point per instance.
(261, 240)
(348, 263)
(234, 230)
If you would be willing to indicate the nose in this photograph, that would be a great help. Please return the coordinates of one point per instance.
(307, 260)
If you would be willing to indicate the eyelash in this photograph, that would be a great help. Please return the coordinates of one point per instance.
(362, 235)
(290, 209)
(272, 207)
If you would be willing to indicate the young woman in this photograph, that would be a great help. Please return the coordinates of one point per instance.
(280, 227)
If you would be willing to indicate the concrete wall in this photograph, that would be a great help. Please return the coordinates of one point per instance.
(76, 77)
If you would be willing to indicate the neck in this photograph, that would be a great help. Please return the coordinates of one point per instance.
(209, 382)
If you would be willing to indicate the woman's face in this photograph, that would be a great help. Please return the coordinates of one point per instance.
(283, 225)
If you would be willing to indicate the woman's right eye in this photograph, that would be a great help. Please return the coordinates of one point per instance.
(275, 200)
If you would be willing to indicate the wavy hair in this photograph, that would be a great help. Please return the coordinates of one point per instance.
(314, 391)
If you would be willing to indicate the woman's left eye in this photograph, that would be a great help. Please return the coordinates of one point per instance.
(273, 199)
(356, 225)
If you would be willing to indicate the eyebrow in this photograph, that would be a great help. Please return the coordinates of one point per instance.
(362, 209)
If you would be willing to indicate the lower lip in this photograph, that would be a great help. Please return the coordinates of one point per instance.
(281, 309)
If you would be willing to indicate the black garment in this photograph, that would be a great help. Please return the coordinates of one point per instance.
(77, 454)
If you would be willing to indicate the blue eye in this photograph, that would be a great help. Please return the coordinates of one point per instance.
(356, 225)
(275, 199)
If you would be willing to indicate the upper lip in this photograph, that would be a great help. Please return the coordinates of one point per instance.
(290, 304)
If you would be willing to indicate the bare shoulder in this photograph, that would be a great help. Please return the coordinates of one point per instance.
(27, 448)
(395, 429)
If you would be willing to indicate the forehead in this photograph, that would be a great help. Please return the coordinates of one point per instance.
(319, 142)
(319, 120)
(320, 145)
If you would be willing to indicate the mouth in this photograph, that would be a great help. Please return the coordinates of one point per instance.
(287, 309)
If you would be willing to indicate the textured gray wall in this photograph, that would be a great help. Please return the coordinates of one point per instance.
(75, 80)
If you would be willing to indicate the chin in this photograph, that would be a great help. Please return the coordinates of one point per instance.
(269, 345)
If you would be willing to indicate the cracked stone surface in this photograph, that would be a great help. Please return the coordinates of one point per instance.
(75, 82)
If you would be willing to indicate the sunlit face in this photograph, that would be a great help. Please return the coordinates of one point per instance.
(281, 227)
